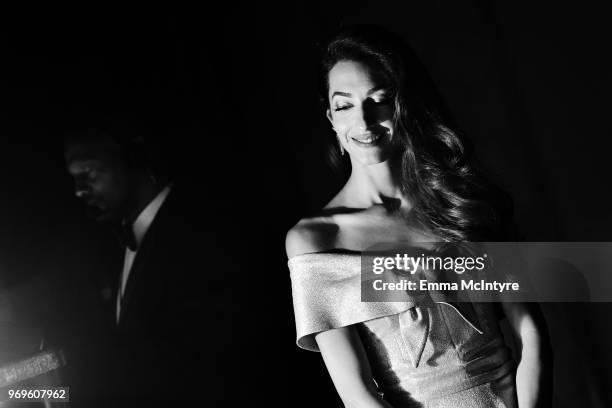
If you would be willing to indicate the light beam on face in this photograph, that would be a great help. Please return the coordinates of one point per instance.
(361, 112)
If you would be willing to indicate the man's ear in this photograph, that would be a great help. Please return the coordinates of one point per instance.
(329, 117)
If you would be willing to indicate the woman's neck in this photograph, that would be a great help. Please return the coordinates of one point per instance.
(375, 184)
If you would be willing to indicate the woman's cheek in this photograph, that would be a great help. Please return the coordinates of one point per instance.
(341, 129)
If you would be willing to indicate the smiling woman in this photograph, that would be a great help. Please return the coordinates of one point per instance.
(378, 95)
(413, 182)
(361, 113)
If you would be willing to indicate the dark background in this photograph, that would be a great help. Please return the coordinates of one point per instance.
(230, 94)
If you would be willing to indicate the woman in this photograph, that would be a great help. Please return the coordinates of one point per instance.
(412, 179)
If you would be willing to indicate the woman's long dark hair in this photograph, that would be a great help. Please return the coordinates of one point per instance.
(439, 172)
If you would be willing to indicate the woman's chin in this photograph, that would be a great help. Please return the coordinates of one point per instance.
(372, 158)
(372, 155)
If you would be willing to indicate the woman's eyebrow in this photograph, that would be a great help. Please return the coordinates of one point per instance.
(370, 92)
(347, 94)
(378, 88)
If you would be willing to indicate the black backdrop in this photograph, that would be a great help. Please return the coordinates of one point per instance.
(230, 93)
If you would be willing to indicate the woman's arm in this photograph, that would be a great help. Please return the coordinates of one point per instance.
(349, 368)
(341, 348)
(534, 371)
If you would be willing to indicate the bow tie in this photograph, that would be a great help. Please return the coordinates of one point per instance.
(126, 236)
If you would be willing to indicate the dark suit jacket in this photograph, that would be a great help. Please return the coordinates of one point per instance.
(178, 319)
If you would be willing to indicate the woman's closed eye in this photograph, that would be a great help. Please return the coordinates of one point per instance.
(341, 107)
(380, 99)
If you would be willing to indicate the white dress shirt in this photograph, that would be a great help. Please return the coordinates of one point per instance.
(140, 227)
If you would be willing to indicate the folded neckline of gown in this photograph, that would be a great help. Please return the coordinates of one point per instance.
(340, 252)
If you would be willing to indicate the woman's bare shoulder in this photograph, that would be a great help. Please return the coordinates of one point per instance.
(319, 232)
(311, 234)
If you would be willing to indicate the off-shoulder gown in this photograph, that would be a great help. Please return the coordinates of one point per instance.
(423, 353)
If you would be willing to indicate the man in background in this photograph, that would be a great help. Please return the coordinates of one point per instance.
(170, 306)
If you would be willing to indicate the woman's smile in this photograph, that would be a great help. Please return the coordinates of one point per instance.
(367, 139)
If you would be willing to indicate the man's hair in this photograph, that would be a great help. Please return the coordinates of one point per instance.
(137, 141)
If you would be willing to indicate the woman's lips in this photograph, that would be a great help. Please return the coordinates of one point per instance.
(367, 140)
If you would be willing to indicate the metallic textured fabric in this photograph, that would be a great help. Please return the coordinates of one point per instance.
(422, 352)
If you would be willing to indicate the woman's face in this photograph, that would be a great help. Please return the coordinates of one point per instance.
(361, 112)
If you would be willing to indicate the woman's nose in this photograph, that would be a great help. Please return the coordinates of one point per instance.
(360, 121)
(366, 117)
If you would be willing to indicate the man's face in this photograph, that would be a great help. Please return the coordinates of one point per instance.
(100, 176)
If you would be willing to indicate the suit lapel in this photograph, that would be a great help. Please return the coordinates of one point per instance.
(138, 272)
